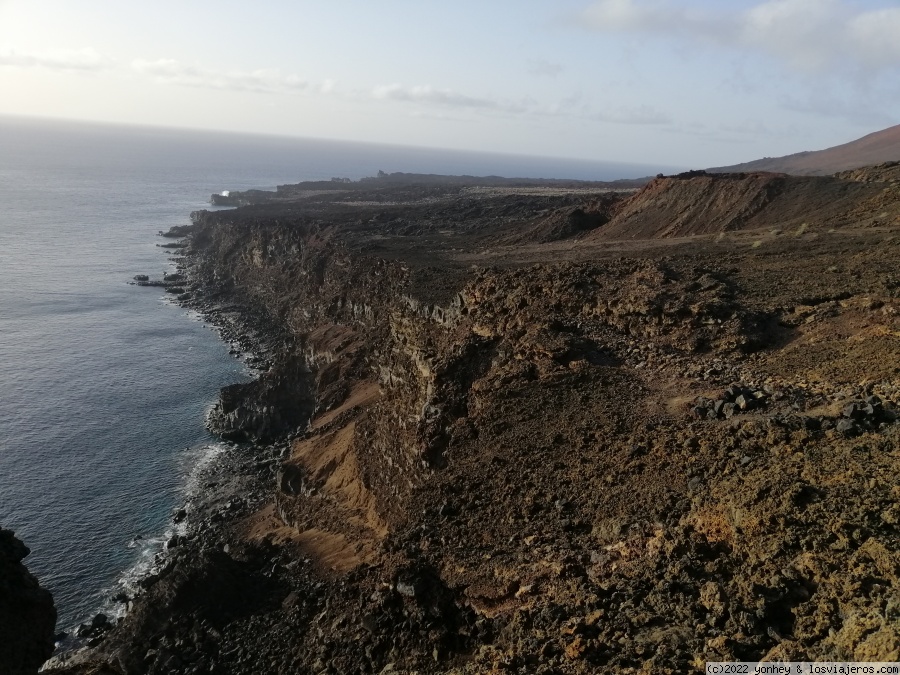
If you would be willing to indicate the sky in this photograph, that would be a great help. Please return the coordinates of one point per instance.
(694, 83)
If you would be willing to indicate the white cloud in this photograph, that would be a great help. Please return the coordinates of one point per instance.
(863, 108)
(441, 97)
(642, 115)
(572, 107)
(805, 33)
(748, 128)
(169, 71)
(86, 59)
(660, 16)
(811, 35)
(877, 37)
(544, 68)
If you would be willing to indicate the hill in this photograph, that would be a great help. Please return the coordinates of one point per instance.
(699, 202)
(878, 147)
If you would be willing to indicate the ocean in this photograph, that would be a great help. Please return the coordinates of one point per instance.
(104, 386)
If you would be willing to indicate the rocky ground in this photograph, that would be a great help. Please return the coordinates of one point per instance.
(542, 429)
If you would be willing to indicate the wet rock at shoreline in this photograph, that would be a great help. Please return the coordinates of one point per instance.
(277, 402)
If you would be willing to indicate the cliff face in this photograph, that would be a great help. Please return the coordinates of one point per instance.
(27, 614)
(387, 374)
(363, 344)
(567, 456)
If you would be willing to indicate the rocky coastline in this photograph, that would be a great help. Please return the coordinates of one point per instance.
(492, 433)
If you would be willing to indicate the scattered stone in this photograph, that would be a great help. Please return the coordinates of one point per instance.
(290, 600)
(846, 426)
(852, 411)
(735, 398)
(406, 589)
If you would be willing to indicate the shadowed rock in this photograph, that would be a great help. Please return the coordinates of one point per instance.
(27, 614)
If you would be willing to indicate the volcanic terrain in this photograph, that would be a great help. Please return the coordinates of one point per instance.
(541, 428)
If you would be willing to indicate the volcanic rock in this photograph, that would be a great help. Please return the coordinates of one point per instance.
(27, 613)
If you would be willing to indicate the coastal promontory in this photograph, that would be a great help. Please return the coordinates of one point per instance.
(542, 428)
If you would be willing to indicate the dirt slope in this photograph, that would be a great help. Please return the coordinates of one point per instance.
(875, 148)
(698, 202)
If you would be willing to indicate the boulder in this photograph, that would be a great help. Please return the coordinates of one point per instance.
(846, 426)
(852, 411)
(407, 588)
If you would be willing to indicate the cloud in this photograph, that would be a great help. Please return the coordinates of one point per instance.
(642, 115)
(85, 60)
(543, 68)
(810, 35)
(572, 107)
(805, 33)
(877, 36)
(441, 97)
(862, 110)
(659, 16)
(748, 128)
(169, 71)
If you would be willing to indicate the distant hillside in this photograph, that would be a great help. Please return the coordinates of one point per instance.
(699, 202)
(420, 181)
(881, 146)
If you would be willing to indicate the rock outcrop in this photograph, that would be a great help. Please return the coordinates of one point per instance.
(262, 410)
(27, 614)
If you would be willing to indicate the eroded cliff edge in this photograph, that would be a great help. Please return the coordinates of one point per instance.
(512, 438)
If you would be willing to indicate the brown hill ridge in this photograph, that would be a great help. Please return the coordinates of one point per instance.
(881, 146)
(698, 202)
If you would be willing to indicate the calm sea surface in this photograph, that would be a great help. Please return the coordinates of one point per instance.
(104, 386)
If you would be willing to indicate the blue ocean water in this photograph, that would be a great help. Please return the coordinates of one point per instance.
(104, 385)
